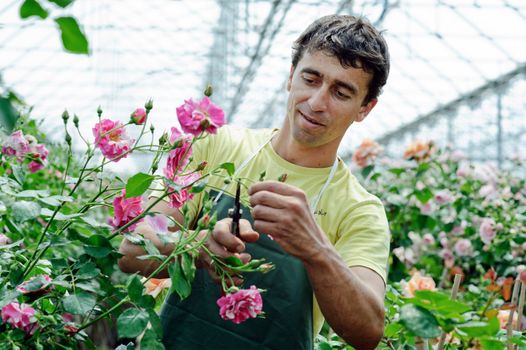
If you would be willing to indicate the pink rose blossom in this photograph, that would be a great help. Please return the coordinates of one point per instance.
(425, 208)
(428, 239)
(177, 199)
(196, 117)
(463, 247)
(4, 240)
(138, 116)
(241, 305)
(111, 138)
(158, 222)
(448, 257)
(458, 230)
(488, 192)
(178, 158)
(444, 197)
(125, 210)
(16, 145)
(487, 230)
(19, 316)
(34, 166)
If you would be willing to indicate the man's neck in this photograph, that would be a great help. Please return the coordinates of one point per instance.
(310, 157)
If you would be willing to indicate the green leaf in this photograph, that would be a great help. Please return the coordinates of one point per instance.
(367, 170)
(8, 114)
(35, 283)
(424, 195)
(229, 167)
(151, 249)
(79, 303)
(439, 302)
(135, 289)
(480, 329)
(138, 184)
(72, 37)
(397, 171)
(32, 8)
(146, 301)
(492, 344)
(32, 194)
(24, 210)
(155, 321)
(419, 321)
(98, 246)
(198, 187)
(62, 3)
(59, 216)
(179, 283)
(188, 266)
(392, 329)
(150, 341)
(233, 261)
(56, 200)
(131, 323)
(87, 271)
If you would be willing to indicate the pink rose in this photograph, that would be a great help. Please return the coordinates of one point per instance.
(19, 316)
(443, 197)
(158, 222)
(425, 208)
(504, 316)
(428, 239)
(366, 153)
(16, 145)
(241, 305)
(34, 166)
(4, 240)
(418, 282)
(112, 140)
(125, 210)
(196, 117)
(177, 199)
(463, 247)
(178, 157)
(449, 258)
(487, 230)
(138, 116)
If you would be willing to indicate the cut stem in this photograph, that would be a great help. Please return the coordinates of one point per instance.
(454, 291)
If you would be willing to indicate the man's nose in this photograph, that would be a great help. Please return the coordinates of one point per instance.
(318, 100)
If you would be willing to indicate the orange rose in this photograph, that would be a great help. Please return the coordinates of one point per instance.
(419, 151)
(155, 285)
(366, 153)
(504, 316)
(418, 282)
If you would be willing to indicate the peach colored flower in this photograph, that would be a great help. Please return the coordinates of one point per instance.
(241, 305)
(504, 316)
(366, 153)
(196, 117)
(112, 140)
(419, 151)
(154, 286)
(418, 282)
(125, 210)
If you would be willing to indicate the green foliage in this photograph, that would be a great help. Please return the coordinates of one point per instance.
(72, 36)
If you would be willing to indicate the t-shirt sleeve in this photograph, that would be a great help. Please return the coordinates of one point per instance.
(364, 237)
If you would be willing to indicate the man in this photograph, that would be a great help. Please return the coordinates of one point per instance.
(328, 237)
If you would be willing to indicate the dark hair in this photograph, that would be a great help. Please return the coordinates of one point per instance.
(354, 41)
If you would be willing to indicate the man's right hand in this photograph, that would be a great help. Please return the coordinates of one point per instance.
(222, 243)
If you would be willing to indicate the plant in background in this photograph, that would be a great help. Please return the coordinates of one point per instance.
(62, 224)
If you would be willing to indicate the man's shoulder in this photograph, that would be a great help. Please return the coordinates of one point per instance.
(350, 191)
(234, 136)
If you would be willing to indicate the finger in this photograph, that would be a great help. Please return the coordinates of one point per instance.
(268, 228)
(245, 257)
(246, 232)
(222, 235)
(264, 213)
(268, 198)
(276, 187)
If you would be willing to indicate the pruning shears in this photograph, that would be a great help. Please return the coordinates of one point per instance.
(235, 212)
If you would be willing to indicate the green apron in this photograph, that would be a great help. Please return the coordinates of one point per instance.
(194, 323)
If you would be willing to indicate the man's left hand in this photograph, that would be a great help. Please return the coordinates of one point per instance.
(283, 211)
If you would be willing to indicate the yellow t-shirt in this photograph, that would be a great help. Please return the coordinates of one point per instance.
(353, 219)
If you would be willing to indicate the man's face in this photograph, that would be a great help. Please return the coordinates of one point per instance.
(324, 100)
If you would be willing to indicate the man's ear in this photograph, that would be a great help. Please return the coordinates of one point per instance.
(365, 109)
(291, 73)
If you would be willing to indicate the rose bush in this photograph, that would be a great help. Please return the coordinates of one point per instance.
(448, 216)
(62, 221)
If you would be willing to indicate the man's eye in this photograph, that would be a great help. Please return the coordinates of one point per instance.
(308, 80)
(342, 95)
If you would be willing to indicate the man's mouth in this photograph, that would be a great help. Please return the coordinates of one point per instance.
(311, 120)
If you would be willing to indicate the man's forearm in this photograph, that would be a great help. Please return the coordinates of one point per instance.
(351, 307)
